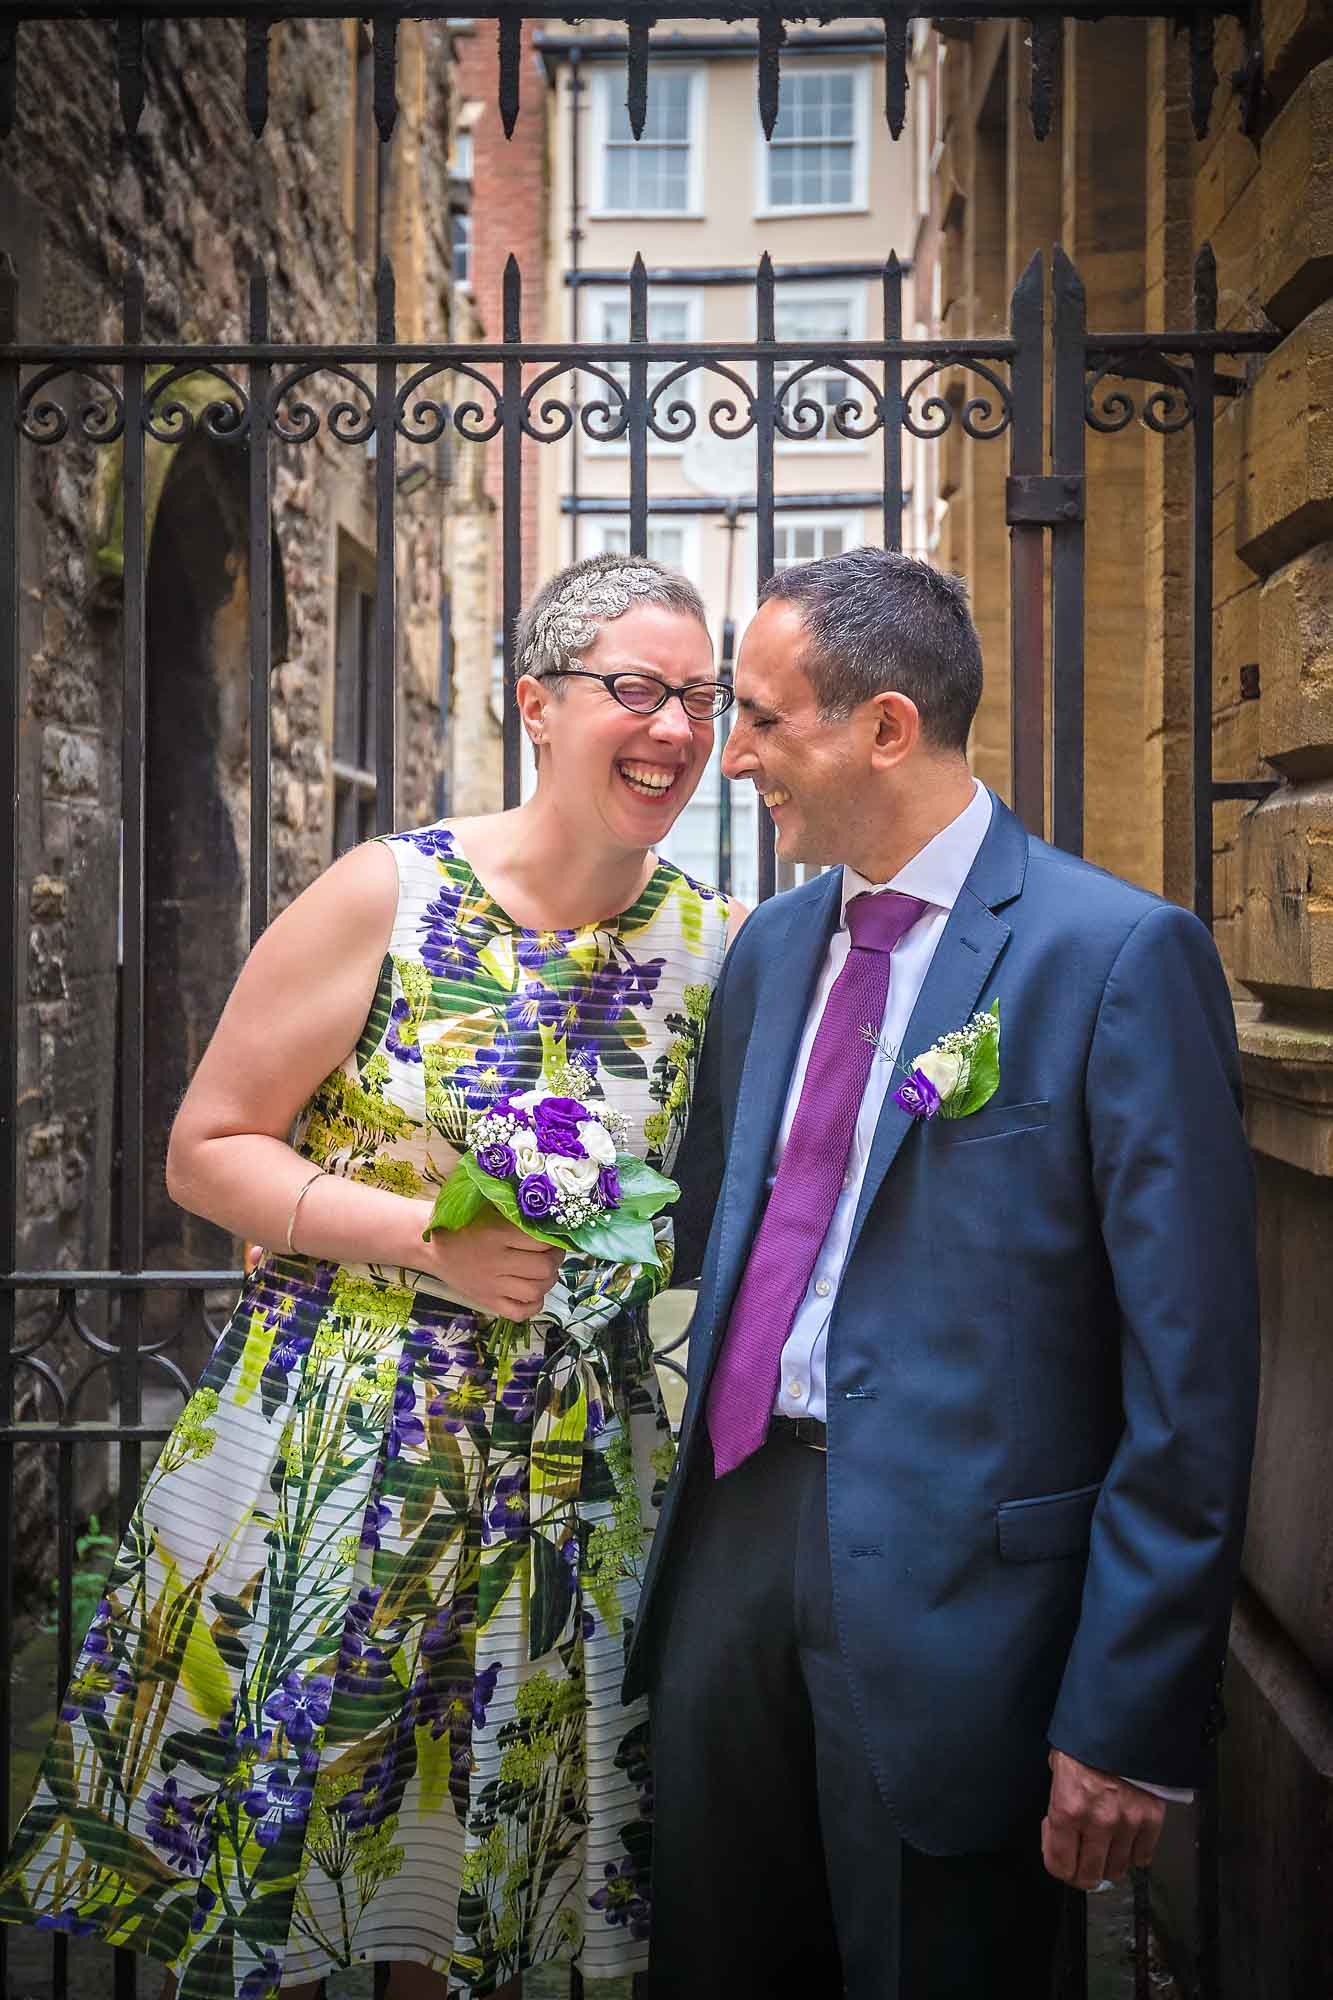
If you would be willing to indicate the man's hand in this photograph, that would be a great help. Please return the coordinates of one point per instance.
(1096, 1827)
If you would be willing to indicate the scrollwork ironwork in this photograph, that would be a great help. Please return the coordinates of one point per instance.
(42, 420)
(977, 413)
(807, 418)
(680, 418)
(429, 419)
(1168, 408)
(603, 422)
(170, 421)
(298, 422)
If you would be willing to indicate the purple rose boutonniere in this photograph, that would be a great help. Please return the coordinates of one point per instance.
(956, 1075)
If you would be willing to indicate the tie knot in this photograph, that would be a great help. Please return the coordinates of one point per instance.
(877, 921)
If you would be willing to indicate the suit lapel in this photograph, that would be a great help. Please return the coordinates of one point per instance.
(964, 959)
(782, 1001)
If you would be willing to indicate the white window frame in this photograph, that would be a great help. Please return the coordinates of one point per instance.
(591, 389)
(860, 201)
(608, 89)
(851, 523)
(597, 537)
(854, 295)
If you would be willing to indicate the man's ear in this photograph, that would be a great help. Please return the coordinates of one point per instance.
(897, 729)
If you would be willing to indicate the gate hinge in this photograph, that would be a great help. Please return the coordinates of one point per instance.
(1043, 500)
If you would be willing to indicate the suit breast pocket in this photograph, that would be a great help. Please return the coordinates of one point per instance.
(993, 1121)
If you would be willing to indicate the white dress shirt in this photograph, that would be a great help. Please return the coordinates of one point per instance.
(936, 875)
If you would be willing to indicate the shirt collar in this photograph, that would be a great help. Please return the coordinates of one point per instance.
(938, 871)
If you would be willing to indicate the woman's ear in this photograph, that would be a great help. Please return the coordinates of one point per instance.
(532, 699)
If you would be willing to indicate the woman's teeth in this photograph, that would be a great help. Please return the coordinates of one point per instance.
(650, 781)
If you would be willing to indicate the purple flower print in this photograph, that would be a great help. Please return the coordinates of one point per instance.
(94, 1683)
(536, 947)
(620, 1898)
(287, 1351)
(608, 1187)
(483, 1691)
(446, 1628)
(464, 1400)
(497, 1160)
(643, 981)
(525, 1011)
(432, 840)
(262, 1981)
(300, 1706)
(519, 1395)
(445, 949)
(65, 1921)
(509, 1508)
(487, 1075)
(363, 1607)
(177, 1825)
(406, 1051)
(362, 1669)
(276, 1805)
(373, 1800)
(556, 1121)
(405, 1426)
(377, 1516)
(536, 1196)
(205, 1902)
(918, 1096)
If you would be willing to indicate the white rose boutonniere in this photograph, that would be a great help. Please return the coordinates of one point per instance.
(956, 1075)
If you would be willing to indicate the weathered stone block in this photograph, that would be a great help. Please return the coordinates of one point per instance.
(1296, 243)
(70, 763)
(1296, 655)
(1284, 499)
(1297, 34)
(1286, 944)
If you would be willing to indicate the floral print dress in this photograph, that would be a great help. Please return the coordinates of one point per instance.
(352, 1692)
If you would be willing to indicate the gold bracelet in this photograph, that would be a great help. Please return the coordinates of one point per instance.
(318, 1175)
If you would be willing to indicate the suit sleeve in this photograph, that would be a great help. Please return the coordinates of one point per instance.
(1174, 1189)
(699, 1164)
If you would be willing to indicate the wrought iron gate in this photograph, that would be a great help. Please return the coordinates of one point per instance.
(271, 396)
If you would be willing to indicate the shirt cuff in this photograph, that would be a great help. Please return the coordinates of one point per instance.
(1173, 1794)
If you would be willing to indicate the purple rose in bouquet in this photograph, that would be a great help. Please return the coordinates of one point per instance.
(556, 1121)
(536, 1196)
(497, 1160)
(608, 1187)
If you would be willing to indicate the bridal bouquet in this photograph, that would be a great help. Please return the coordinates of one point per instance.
(552, 1165)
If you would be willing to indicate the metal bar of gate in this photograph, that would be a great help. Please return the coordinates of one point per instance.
(511, 520)
(1027, 582)
(638, 409)
(10, 962)
(385, 695)
(892, 413)
(1068, 456)
(261, 609)
(1201, 605)
(763, 492)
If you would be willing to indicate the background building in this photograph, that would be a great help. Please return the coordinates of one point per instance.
(701, 198)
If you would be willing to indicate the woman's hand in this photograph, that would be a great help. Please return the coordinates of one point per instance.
(492, 1266)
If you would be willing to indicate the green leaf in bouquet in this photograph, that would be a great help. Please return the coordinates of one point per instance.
(643, 1191)
(617, 1238)
(458, 1202)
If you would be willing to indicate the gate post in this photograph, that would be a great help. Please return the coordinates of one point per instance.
(1027, 622)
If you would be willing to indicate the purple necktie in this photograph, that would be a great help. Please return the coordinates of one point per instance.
(809, 1181)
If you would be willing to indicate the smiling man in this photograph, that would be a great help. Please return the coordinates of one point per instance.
(940, 1592)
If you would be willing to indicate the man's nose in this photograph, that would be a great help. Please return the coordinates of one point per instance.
(737, 758)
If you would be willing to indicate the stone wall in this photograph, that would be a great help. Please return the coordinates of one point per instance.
(1132, 194)
(199, 203)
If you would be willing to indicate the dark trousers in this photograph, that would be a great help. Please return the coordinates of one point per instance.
(777, 1870)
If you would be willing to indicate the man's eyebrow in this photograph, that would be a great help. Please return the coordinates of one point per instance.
(753, 707)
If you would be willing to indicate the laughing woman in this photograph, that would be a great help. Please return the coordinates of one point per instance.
(352, 1693)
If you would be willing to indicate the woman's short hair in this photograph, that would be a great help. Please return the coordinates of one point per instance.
(564, 617)
(876, 619)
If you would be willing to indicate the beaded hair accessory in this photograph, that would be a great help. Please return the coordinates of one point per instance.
(579, 609)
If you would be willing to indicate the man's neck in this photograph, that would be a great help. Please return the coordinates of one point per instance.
(912, 821)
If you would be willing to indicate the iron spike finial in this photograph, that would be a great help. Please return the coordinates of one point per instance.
(129, 69)
(510, 34)
(384, 46)
(772, 34)
(636, 76)
(638, 298)
(764, 287)
(9, 65)
(256, 73)
(512, 294)
(897, 83)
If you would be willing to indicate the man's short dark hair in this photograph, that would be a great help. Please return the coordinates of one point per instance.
(879, 620)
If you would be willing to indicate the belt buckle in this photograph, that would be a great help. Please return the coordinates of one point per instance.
(810, 1443)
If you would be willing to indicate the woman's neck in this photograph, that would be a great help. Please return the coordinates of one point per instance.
(547, 875)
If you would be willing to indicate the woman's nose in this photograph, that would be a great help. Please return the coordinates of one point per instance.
(671, 724)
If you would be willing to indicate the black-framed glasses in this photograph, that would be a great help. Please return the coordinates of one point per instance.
(644, 694)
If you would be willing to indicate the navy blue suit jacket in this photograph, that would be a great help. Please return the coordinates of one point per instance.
(1042, 1358)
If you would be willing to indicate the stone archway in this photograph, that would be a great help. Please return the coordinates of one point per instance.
(197, 832)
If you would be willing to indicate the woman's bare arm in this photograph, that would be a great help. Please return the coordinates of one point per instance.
(297, 1009)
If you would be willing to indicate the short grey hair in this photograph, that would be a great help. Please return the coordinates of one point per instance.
(877, 620)
(565, 616)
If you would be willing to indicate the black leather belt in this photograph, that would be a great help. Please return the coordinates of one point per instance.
(800, 1430)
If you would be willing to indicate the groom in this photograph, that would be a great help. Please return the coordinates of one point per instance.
(939, 1596)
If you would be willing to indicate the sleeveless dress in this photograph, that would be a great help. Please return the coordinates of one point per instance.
(352, 1692)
